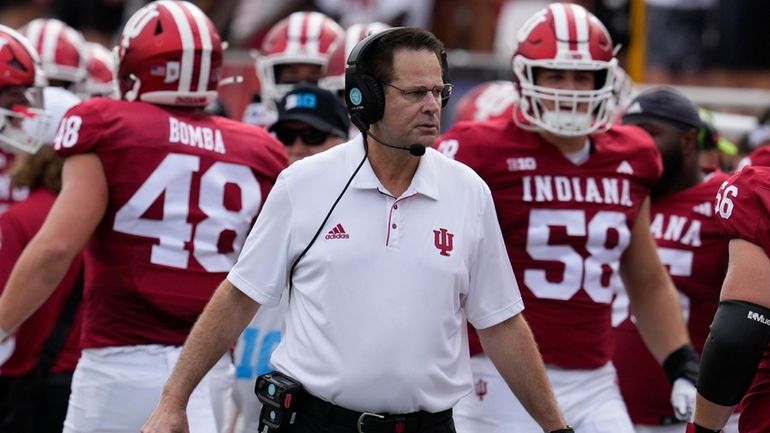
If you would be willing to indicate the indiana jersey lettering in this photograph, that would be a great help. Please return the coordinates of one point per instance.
(565, 226)
(184, 191)
(694, 251)
(743, 211)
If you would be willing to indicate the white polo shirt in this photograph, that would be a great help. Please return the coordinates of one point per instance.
(376, 318)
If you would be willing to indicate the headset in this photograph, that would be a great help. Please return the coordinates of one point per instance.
(364, 94)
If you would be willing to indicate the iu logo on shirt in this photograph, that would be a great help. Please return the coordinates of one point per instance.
(442, 239)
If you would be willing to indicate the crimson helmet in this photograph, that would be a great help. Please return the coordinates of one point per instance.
(567, 37)
(100, 80)
(302, 37)
(488, 100)
(23, 124)
(334, 79)
(169, 53)
(62, 49)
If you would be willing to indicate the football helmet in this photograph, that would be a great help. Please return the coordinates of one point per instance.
(23, 124)
(300, 38)
(62, 49)
(334, 78)
(100, 80)
(169, 53)
(488, 100)
(564, 36)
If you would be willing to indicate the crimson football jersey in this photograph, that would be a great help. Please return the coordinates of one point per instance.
(17, 228)
(694, 251)
(759, 156)
(9, 194)
(184, 190)
(565, 226)
(743, 211)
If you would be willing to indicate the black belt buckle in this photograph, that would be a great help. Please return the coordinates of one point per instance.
(362, 418)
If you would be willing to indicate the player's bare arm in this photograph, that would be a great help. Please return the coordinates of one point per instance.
(209, 339)
(512, 349)
(652, 295)
(73, 218)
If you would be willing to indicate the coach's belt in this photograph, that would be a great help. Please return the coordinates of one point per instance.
(368, 422)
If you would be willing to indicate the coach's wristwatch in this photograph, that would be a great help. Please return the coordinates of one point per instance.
(567, 429)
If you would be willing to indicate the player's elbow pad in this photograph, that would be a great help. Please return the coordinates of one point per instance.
(739, 335)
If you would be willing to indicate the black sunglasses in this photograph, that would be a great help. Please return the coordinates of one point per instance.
(309, 136)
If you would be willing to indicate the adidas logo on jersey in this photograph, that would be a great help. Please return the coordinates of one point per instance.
(704, 209)
(338, 232)
(625, 167)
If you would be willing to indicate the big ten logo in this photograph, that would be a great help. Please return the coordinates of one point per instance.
(301, 100)
(521, 164)
(254, 351)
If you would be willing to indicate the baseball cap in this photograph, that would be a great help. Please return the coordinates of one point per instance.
(316, 107)
(666, 104)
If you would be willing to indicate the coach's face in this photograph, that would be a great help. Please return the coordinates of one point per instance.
(412, 108)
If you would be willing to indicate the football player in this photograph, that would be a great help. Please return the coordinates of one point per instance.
(488, 100)
(100, 74)
(62, 50)
(164, 194)
(296, 49)
(736, 350)
(21, 96)
(690, 243)
(35, 380)
(572, 198)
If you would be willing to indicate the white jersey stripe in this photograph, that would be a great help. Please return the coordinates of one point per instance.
(561, 28)
(188, 44)
(206, 46)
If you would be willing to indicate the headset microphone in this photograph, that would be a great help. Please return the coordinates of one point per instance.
(416, 149)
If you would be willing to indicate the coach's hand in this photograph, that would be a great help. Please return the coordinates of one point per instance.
(683, 398)
(168, 417)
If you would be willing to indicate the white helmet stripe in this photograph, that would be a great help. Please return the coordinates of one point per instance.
(315, 22)
(33, 31)
(188, 44)
(206, 46)
(296, 22)
(50, 35)
(581, 28)
(561, 27)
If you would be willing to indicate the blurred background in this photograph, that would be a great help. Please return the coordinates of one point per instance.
(715, 51)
